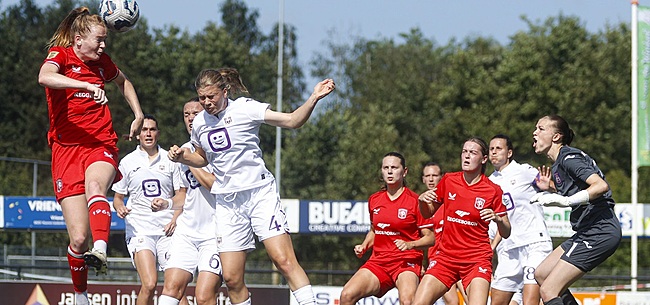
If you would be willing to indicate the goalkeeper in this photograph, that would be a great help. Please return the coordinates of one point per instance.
(574, 181)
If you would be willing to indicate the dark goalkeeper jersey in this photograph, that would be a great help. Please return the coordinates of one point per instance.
(570, 172)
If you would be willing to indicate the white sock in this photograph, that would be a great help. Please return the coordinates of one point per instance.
(100, 245)
(167, 300)
(247, 302)
(81, 298)
(305, 295)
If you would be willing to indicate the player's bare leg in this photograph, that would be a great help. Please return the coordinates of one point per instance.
(234, 264)
(145, 264)
(283, 256)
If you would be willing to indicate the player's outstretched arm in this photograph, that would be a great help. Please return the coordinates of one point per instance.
(298, 117)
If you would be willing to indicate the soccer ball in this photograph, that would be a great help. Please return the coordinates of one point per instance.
(119, 15)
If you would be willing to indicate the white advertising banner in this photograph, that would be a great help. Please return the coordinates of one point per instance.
(558, 219)
(326, 295)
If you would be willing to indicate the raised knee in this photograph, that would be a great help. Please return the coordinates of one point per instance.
(285, 264)
(205, 298)
(173, 289)
(347, 297)
(407, 301)
(79, 243)
(545, 293)
(233, 280)
(148, 286)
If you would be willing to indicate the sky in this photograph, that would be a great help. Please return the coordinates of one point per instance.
(342, 20)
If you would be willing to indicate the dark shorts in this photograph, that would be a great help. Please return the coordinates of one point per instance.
(589, 247)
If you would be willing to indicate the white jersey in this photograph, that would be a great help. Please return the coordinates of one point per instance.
(493, 229)
(231, 144)
(142, 181)
(197, 219)
(527, 220)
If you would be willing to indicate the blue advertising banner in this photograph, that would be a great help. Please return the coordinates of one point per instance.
(39, 213)
(336, 217)
(303, 216)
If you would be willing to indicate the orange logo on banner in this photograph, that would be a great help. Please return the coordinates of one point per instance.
(595, 298)
(37, 297)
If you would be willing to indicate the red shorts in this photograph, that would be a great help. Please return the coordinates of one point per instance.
(449, 272)
(69, 164)
(387, 272)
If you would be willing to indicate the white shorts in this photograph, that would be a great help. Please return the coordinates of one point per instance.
(518, 297)
(189, 253)
(157, 244)
(517, 266)
(240, 215)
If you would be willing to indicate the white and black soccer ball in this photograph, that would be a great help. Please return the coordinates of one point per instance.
(119, 15)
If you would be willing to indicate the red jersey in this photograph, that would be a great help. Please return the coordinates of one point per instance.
(397, 219)
(438, 221)
(75, 118)
(465, 236)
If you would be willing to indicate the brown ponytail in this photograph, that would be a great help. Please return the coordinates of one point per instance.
(78, 21)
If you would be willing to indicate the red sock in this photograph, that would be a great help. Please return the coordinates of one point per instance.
(78, 270)
(99, 214)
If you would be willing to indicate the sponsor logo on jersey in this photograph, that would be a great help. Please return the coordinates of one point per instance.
(410, 265)
(587, 244)
(513, 181)
(191, 179)
(219, 140)
(109, 155)
(83, 94)
(462, 221)
(479, 203)
(76, 69)
(451, 196)
(227, 120)
(482, 270)
(151, 188)
(401, 213)
(383, 225)
(461, 213)
(59, 185)
(557, 178)
(52, 54)
(376, 211)
(387, 233)
(161, 167)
